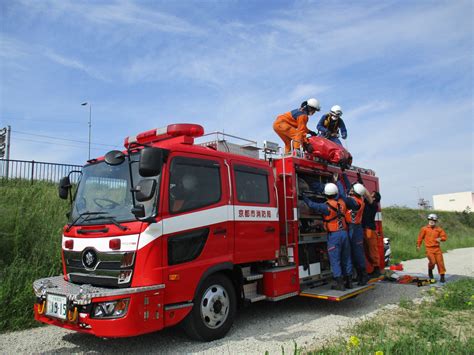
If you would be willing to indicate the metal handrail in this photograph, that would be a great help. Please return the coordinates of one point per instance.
(217, 133)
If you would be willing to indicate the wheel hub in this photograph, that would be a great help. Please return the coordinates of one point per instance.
(215, 306)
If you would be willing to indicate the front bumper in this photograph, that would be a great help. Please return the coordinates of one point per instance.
(145, 311)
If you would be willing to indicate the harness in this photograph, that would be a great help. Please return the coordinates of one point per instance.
(331, 125)
(336, 220)
(355, 217)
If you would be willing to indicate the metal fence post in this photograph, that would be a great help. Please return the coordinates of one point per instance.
(32, 170)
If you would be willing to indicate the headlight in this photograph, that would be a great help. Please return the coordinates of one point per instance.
(111, 309)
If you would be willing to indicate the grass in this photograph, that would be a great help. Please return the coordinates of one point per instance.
(442, 324)
(30, 235)
(32, 217)
(402, 226)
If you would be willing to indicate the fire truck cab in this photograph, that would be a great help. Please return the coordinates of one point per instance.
(170, 231)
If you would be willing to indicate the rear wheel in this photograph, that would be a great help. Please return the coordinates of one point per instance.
(213, 311)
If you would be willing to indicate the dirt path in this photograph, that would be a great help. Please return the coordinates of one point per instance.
(258, 328)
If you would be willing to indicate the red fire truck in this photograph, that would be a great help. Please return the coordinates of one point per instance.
(170, 231)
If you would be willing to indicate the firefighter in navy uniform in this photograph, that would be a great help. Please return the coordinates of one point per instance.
(330, 124)
(333, 211)
(355, 208)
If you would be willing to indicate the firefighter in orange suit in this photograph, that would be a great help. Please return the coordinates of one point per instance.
(293, 125)
(370, 231)
(433, 236)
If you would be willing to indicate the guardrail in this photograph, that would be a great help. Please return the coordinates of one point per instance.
(36, 170)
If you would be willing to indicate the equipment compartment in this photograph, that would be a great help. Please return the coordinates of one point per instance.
(280, 281)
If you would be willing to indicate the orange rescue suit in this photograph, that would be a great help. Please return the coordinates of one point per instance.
(292, 126)
(335, 221)
(433, 251)
(355, 217)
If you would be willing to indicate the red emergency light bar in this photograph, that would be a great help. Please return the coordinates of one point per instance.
(171, 131)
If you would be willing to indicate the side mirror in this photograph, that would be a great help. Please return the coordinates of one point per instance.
(139, 211)
(151, 160)
(145, 190)
(64, 187)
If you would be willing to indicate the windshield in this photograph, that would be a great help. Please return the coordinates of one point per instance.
(104, 191)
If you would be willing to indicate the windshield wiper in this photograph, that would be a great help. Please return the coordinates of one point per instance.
(111, 219)
(86, 213)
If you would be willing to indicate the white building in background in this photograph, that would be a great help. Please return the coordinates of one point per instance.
(458, 201)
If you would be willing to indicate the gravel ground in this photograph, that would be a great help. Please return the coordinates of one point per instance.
(263, 326)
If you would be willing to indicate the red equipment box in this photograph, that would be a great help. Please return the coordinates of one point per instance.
(280, 281)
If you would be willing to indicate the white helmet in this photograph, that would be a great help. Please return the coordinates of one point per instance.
(314, 104)
(336, 110)
(330, 189)
(359, 189)
(432, 217)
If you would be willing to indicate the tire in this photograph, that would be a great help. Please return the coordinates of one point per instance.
(214, 309)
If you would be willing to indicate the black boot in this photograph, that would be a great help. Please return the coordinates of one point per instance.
(348, 282)
(363, 277)
(430, 273)
(375, 273)
(339, 285)
(442, 279)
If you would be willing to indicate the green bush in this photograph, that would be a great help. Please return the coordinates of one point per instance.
(31, 220)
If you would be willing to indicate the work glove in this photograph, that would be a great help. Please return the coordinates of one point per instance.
(344, 135)
(312, 133)
(308, 147)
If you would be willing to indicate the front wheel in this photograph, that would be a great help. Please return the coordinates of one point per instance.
(213, 311)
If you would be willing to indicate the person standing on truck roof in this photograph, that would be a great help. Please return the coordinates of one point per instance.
(370, 231)
(355, 207)
(433, 236)
(331, 123)
(333, 211)
(293, 125)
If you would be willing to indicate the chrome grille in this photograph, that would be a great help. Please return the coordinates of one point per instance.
(113, 269)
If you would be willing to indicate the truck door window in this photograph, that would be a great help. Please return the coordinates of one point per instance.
(251, 184)
(194, 183)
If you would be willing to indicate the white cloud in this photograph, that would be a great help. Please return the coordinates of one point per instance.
(119, 15)
(11, 48)
(305, 91)
(73, 64)
(367, 109)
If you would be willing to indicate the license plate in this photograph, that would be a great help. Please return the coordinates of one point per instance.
(56, 306)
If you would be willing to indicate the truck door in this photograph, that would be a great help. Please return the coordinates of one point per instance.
(255, 211)
(196, 235)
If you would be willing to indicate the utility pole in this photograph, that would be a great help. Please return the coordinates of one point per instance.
(422, 203)
(90, 125)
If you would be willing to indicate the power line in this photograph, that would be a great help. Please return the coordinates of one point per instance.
(49, 143)
(39, 120)
(63, 139)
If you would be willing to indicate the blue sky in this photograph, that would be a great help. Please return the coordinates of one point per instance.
(401, 70)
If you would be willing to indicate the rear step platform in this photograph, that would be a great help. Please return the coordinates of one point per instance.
(326, 293)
